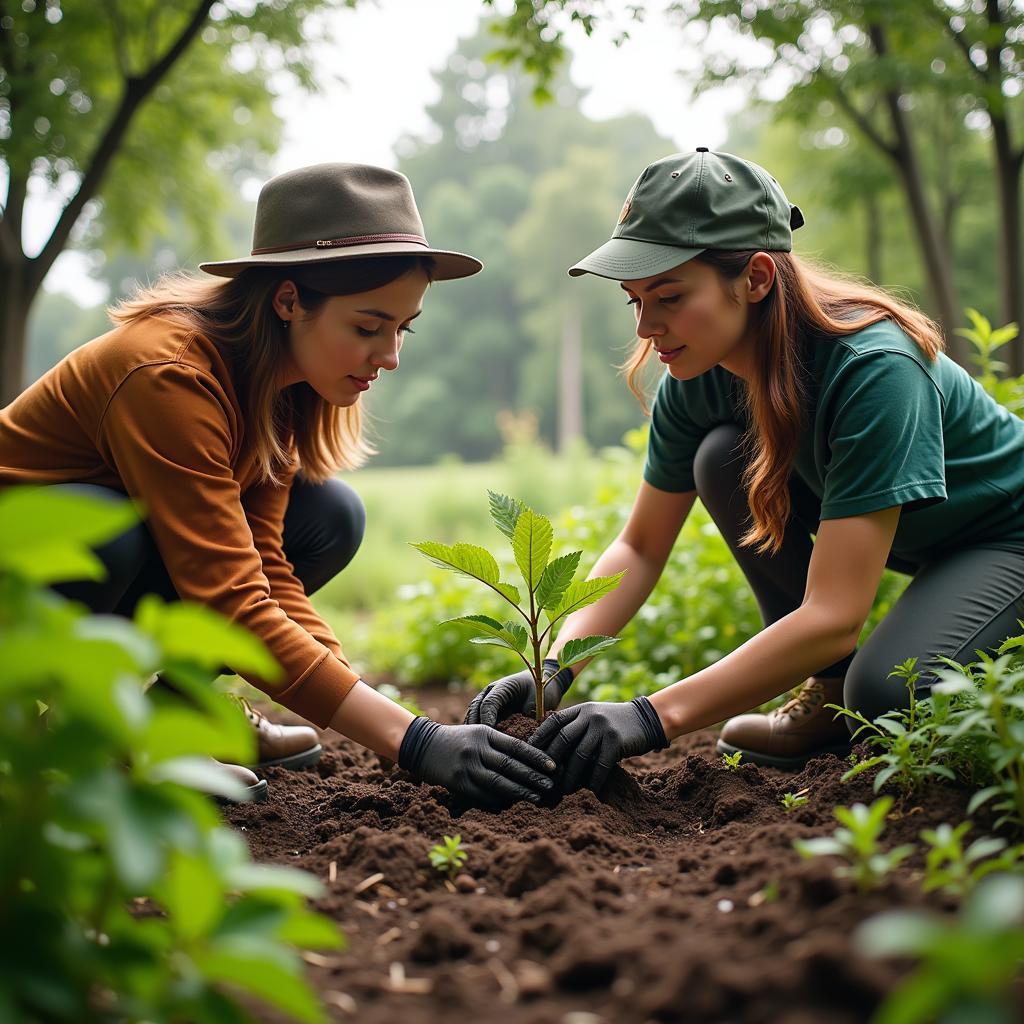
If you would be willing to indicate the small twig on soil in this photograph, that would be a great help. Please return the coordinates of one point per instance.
(342, 1000)
(368, 883)
(319, 960)
(370, 908)
(506, 980)
(332, 872)
(389, 936)
(398, 982)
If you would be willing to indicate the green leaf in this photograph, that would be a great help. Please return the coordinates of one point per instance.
(194, 634)
(531, 544)
(259, 967)
(504, 512)
(273, 878)
(556, 578)
(57, 528)
(510, 634)
(897, 933)
(468, 559)
(193, 895)
(582, 593)
(509, 592)
(584, 647)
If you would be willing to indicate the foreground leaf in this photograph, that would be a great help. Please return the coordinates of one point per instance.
(556, 578)
(584, 647)
(531, 544)
(583, 593)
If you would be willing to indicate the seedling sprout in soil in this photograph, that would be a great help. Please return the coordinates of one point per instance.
(794, 801)
(449, 856)
(732, 761)
(550, 587)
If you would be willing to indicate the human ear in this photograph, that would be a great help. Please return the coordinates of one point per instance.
(286, 300)
(760, 276)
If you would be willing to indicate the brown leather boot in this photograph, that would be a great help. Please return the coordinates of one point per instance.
(281, 746)
(255, 788)
(791, 735)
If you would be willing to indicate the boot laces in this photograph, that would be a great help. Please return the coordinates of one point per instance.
(807, 700)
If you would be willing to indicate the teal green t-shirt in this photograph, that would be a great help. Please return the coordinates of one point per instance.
(883, 427)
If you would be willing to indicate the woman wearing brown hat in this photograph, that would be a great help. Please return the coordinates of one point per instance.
(226, 407)
(794, 403)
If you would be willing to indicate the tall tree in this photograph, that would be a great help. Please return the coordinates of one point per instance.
(119, 110)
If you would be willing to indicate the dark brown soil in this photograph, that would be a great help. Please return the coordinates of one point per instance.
(648, 907)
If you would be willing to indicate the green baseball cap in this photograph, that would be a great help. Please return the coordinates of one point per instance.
(686, 203)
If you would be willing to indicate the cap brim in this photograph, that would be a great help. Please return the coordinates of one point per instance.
(625, 259)
(448, 265)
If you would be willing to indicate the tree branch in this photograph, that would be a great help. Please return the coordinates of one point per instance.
(10, 221)
(860, 119)
(137, 89)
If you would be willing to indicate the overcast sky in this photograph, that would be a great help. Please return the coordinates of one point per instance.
(386, 52)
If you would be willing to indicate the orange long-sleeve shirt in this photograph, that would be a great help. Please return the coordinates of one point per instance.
(150, 408)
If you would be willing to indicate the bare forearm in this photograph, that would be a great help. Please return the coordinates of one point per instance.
(614, 610)
(371, 719)
(777, 658)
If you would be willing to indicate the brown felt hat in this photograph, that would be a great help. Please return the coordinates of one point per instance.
(328, 213)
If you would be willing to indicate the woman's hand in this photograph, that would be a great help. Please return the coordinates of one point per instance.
(588, 740)
(476, 762)
(517, 694)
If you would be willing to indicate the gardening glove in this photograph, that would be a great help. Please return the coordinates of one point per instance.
(516, 694)
(475, 762)
(588, 740)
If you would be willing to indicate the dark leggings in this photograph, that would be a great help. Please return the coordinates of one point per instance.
(972, 599)
(323, 527)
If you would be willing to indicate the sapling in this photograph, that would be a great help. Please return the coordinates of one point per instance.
(857, 844)
(732, 761)
(449, 856)
(950, 867)
(550, 588)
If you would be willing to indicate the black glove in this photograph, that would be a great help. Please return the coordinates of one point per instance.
(476, 762)
(517, 694)
(588, 740)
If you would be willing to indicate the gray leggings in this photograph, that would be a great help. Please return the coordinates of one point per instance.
(972, 599)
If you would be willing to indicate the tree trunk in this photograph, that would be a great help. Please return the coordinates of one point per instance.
(15, 301)
(1011, 304)
(937, 260)
(873, 239)
(570, 379)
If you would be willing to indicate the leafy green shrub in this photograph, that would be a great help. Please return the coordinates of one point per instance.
(866, 862)
(991, 374)
(122, 896)
(969, 968)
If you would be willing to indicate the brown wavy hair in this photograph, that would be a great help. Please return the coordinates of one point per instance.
(237, 315)
(806, 305)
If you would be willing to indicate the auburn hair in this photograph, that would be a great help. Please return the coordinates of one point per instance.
(806, 305)
(237, 315)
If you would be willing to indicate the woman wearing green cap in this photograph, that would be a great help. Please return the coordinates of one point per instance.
(226, 406)
(795, 403)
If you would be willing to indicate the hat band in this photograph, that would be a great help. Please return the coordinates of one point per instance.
(340, 243)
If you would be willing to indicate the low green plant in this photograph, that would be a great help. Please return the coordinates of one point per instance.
(913, 740)
(551, 590)
(856, 842)
(122, 895)
(395, 694)
(968, 968)
(987, 728)
(955, 870)
(986, 340)
(449, 856)
(794, 801)
(732, 761)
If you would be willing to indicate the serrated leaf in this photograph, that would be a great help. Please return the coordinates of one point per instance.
(556, 578)
(584, 647)
(510, 634)
(492, 641)
(584, 592)
(509, 592)
(504, 512)
(531, 543)
(468, 559)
